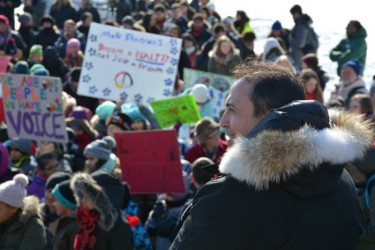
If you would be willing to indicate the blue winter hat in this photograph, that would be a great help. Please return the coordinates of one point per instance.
(135, 115)
(64, 194)
(277, 25)
(354, 64)
(23, 145)
(105, 110)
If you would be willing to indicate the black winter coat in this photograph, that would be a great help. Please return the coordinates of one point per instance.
(286, 186)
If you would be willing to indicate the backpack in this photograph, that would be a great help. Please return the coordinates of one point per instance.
(312, 41)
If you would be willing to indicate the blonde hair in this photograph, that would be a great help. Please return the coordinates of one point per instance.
(222, 39)
(285, 59)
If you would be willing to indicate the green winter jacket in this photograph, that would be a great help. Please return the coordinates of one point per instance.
(353, 47)
(25, 230)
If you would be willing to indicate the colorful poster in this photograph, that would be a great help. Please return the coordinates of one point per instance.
(128, 65)
(4, 60)
(150, 161)
(219, 86)
(33, 107)
(169, 111)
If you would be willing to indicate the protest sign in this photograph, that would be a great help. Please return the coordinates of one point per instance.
(128, 65)
(33, 107)
(150, 161)
(219, 86)
(169, 111)
(4, 60)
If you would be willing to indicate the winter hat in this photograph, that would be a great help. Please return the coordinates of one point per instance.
(24, 18)
(10, 47)
(22, 145)
(4, 19)
(84, 185)
(112, 185)
(36, 49)
(13, 192)
(80, 113)
(229, 20)
(57, 178)
(38, 70)
(277, 25)
(311, 60)
(354, 64)
(204, 128)
(101, 148)
(121, 120)
(21, 67)
(105, 110)
(187, 182)
(4, 159)
(64, 194)
(74, 43)
(270, 44)
(200, 92)
(128, 20)
(47, 18)
(135, 115)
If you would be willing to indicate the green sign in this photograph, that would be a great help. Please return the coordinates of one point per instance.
(169, 111)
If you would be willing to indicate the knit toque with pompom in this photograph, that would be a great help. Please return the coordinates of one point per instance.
(13, 192)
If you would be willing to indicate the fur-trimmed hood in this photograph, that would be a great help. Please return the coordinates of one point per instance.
(303, 138)
(82, 185)
(30, 209)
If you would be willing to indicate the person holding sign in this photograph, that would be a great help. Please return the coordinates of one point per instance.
(209, 143)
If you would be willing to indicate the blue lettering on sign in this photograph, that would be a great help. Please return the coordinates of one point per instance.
(145, 41)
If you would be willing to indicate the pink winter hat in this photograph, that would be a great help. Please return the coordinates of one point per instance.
(74, 43)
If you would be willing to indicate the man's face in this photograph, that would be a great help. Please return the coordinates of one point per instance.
(350, 29)
(69, 29)
(238, 118)
(348, 75)
(50, 167)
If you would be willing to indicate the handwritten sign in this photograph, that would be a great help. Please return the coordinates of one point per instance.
(219, 86)
(169, 111)
(149, 168)
(4, 60)
(128, 65)
(33, 107)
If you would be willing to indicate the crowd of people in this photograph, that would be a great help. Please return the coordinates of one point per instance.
(72, 196)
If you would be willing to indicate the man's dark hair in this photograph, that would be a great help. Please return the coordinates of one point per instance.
(356, 24)
(296, 9)
(201, 175)
(249, 36)
(273, 86)
(219, 27)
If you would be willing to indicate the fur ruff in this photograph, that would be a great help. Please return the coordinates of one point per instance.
(31, 208)
(84, 185)
(273, 156)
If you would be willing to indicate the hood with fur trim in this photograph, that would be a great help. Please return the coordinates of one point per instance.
(31, 208)
(273, 153)
(83, 185)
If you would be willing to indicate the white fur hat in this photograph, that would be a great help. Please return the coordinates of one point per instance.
(200, 93)
(13, 192)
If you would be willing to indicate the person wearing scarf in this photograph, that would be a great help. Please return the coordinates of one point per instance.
(99, 213)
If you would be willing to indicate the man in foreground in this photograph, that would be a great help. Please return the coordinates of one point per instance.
(286, 187)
